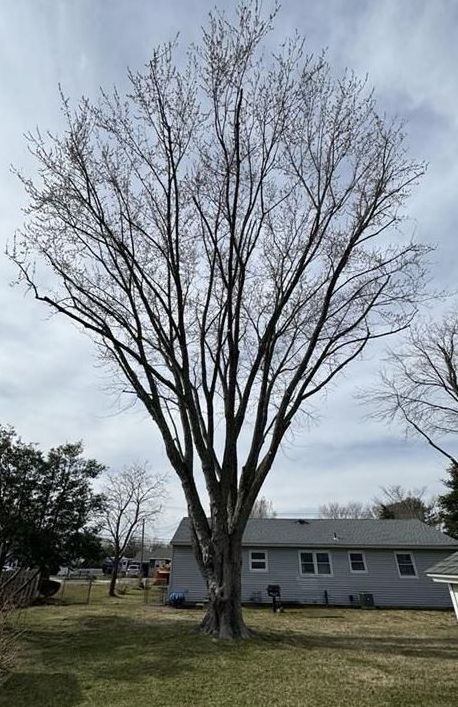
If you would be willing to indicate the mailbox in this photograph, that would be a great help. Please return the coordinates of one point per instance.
(273, 591)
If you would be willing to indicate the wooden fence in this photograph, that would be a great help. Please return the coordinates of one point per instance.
(20, 587)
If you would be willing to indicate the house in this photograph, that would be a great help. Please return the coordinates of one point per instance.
(339, 562)
(446, 572)
(156, 554)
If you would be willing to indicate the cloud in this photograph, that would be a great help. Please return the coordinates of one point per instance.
(50, 386)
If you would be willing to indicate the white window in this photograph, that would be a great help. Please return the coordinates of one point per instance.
(258, 561)
(406, 565)
(314, 562)
(357, 562)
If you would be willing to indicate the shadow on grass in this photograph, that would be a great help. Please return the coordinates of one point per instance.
(119, 648)
(41, 690)
(124, 649)
(438, 648)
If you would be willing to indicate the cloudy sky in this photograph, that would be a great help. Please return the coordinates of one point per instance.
(51, 388)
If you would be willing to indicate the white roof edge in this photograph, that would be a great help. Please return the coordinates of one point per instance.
(448, 578)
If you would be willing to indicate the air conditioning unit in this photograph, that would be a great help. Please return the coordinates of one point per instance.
(366, 600)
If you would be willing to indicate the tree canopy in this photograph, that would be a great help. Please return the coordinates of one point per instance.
(448, 502)
(400, 503)
(352, 509)
(419, 388)
(47, 504)
(263, 508)
(131, 498)
(395, 502)
(228, 233)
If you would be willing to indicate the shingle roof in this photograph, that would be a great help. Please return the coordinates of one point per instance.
(447, 567)
(339, 533)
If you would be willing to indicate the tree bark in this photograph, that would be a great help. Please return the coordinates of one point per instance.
(224, 617)
(114, 577)
(3, 555)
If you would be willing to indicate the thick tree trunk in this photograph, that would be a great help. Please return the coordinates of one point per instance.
(3, 556)
(114, 577)
(224, 574)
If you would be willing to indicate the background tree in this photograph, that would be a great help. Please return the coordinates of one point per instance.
(263, 508)
(222, 232)
(159, 548)
(352, 509)
(131, 497)
(448, 503)
(395, 503)
(20, 469)
(47, 504)
(399, 503)
(65, 505)
(419, 389)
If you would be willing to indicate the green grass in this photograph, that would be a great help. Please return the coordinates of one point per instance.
(121, 652)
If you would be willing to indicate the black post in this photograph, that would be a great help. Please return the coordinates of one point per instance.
(273, 590)
(91, 579)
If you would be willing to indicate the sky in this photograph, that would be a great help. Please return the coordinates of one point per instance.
(52, 388)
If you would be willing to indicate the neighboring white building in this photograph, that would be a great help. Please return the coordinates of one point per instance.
(446, 572)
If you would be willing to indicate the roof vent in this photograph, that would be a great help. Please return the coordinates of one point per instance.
(335, 536)
(301, 521)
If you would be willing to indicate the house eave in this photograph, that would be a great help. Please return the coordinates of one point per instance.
(338, 545)
(446, 578)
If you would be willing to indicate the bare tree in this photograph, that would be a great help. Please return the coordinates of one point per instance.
(263, 508)
(420, 387)
(400, 503)
(131, 497)
(395, 502)
(223, 234)
(352, 509)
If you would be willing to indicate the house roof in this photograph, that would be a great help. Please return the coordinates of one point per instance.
(348, 533)
(158, 552)
(447, 567)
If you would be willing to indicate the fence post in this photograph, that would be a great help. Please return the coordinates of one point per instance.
(91, 579)
(146, 588)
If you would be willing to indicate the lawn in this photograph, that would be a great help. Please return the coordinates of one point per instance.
(122, 652)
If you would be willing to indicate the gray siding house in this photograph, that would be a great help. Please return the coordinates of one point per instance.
(328, 561)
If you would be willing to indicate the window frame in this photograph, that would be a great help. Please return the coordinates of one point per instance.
(363, 555)
(314, 553)
(412, 559)
(266, 560)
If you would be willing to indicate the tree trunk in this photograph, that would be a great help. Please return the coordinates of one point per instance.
(3, 555)
(224, 580)
(114, 577)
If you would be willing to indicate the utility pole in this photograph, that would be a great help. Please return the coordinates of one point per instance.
(142, 581)
(143, 542)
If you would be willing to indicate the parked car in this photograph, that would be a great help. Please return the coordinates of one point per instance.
(134, 570)
(83, 572)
